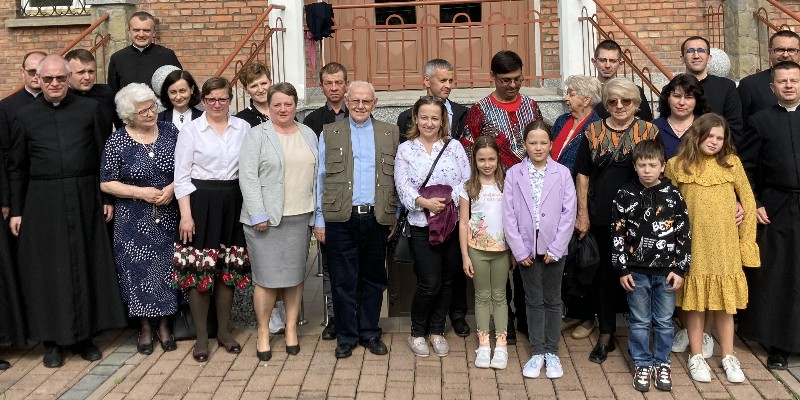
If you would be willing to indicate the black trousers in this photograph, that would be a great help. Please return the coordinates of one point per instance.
(435, 267)
(607, 294)
(517, 297)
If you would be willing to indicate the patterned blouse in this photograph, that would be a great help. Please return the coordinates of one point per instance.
(411, 166)
(537, 183)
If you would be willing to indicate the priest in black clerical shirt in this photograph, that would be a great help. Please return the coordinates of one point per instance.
(137, 62)
(771, 157)
(66, 267)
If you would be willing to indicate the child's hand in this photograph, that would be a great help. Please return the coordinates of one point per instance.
(674, 281)
(739, 213)
(468, 270)
(527, 261)
(627, 282)
(548, 259)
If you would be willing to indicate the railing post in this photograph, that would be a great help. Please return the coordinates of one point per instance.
(119, 11)
(570, 44)
(288, 51)
(741, 35)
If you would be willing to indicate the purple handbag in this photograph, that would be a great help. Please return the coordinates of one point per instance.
(442, 224)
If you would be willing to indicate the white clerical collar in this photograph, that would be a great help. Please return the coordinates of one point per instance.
(789, 109)
(34, 94)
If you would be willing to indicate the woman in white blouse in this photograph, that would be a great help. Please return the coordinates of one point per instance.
(433, 265)
(278, 175)
(210, 252)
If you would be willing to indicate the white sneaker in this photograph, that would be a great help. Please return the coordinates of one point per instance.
(553, 366)
(418, 346)
(708, 345)
(733, 371)
(699, 369)
(440, 346)
(500, 358)
(277, 320)
(533, 367)
(681, 341)
(482, 357)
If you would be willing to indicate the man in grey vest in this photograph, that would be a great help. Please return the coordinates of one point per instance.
(356, 209)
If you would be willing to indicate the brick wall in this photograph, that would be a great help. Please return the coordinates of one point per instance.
(779, 18)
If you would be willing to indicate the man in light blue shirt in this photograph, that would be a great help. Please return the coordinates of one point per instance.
(356, 207)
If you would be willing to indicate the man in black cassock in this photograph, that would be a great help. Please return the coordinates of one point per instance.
(68, 281)
(137, 62)
(83, 82)
(771, 157)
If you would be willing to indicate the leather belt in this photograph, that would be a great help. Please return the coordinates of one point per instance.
(363, 209)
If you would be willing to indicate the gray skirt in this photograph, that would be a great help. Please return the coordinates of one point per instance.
(278, 256)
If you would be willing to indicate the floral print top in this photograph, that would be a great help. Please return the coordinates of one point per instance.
(537, 183)
(486, 220)
(412, 164)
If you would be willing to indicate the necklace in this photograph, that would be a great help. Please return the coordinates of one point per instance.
(151, 151)
(678, 131)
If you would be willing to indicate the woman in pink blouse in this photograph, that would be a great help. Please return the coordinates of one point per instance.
(210, 251)
(434, 265)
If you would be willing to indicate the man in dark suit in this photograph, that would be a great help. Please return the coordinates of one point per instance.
(438, 81)
(83, 82)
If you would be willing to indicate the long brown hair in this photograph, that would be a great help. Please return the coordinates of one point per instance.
(689, 155)
(473, 185)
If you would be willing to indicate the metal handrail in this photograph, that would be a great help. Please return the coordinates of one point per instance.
(104, 39)
(247, 36)
(761, 15)
(633, 39)
(795, 16)
(419, 3)
(626, 55)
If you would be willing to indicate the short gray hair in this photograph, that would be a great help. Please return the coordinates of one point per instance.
(354, 84)
(624, 89)
(437, 63)
(129, 96)
(586, 87)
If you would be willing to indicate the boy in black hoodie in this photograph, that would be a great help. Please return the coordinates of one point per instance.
(651, 253)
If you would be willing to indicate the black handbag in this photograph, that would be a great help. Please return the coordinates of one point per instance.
(183, 327)
(400, 243)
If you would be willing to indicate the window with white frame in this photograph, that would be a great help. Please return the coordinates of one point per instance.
(52, 8)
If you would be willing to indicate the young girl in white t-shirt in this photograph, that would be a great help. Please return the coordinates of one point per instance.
(484, 249)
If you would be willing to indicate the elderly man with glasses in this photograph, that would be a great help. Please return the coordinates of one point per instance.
(355, 211)
(503, 114)
(754, 90)
(68, 282)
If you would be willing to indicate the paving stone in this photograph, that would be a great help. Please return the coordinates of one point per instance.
(116, 359)
(73, 395)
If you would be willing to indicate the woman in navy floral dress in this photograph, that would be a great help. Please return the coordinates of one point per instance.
(137, 168)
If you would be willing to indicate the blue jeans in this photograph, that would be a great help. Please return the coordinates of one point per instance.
(650, 301)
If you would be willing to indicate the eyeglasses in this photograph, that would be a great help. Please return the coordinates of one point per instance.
(607, 60)
(698, 50)
(31, 72)
(507, 81)
(212, 101)
(360, 102)
(432, 98)
(614, 102)
(48, 79)
(152, 109)
(789, 50)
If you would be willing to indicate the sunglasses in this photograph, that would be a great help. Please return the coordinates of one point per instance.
(31, 72)
(432, 98)
(59, 79)
(624, 102)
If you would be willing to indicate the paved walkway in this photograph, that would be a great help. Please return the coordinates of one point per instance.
(316, 374)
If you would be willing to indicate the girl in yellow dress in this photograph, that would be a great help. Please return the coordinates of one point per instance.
(710, 176)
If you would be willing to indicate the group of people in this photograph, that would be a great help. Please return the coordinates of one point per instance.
(204, 203)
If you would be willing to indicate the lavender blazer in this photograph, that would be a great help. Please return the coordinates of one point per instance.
(558, 209)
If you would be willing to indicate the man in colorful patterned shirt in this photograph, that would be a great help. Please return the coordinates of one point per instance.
(503, 114)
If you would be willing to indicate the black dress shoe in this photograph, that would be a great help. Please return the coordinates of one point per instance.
(53, 356)
(329, 333)
(169, 344)
(200, 355)
(344, 350)
(89, 352)
(144, 348)
(375, 346)
(4, 365)
(293, 350)
(777, 360)
(461, 328)
(264, 355)
(600, 351)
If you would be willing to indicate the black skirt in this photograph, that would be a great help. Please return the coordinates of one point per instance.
(218, 247)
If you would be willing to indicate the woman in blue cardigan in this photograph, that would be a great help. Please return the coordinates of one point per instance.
(581, 95)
